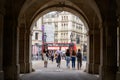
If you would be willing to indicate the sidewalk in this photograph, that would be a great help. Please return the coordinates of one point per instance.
(52, 73)
(52, 66)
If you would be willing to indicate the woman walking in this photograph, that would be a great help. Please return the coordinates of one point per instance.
(58, 57)
(52, 56)
(45, 56)
(67, 58)
(73, 59)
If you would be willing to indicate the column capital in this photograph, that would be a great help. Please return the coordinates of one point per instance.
(22, 25)
(118, 21)
(2, 11)
(92, 32)
(96, 31)
(28, 32)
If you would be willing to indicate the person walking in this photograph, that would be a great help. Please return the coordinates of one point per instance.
(73, 56)
(67, 58)
(52, 56)
(45, 56)
(79, 59)
(58, 57)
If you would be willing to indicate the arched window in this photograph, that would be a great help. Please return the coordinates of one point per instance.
(36, 36)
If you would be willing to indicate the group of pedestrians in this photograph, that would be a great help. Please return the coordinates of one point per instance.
(70, 56)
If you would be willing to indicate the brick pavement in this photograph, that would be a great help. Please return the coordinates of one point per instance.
(53, 73)
(39, 65)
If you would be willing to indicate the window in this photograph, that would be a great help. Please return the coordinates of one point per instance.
(61, 24)
(62, 17)
(56, 25)
(61, 34)
(56, 34)
(36, 36)
(35, 24)
(77, 39)
(66, 24)
(67, 17)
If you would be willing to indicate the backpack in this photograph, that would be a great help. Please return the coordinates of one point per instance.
(47, 53)
(79, 55)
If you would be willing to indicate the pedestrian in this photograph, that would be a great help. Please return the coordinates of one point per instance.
(45, 56)
(68, 58)
(79, 59)
(58, 57)
(73, 57)
(52, 56)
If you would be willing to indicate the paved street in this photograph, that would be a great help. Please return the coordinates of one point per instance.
(53, 73)
(52, 66)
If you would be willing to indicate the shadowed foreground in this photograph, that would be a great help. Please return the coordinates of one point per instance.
(59, 75)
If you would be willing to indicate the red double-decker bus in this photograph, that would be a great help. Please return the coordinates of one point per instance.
(64, 46)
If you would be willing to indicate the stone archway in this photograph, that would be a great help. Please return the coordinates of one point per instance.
(99, 19)
(25, 28)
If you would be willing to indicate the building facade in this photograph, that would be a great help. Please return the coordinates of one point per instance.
(36, 39)
(63, 27)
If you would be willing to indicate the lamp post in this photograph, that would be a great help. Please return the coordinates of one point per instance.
(71, 43)
(44, 40)
(71, 37)
(45, 36)
(77, 39)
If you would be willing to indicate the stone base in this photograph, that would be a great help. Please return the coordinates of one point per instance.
(29, 67)
(118, 76)
(96, 68)
(25, 67)
(107, 72)
(89, 67)
(22, 67)
(1, 75)
(11, 72)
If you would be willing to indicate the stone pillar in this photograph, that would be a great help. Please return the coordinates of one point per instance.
(22, 45)
(108, 48)
(1, 38)
(118, 38)
(28, 51)
(96, 51)
(24, 50)
(118, 52)
(10, 49)
(90, 52)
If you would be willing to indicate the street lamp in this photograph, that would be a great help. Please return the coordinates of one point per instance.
(44, 40)
(77, 39)
(71, 37)
(45, 36)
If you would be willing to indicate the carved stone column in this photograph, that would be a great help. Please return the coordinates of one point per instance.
(118, 38)
(22, 49)
(108, 49)
(28, 51)
(1, 38)
(10, 49)
(108, 32)
(118, 52)
(90, 52)
(96, 51)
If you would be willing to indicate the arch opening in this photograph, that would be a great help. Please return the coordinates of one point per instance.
(58, 27)
(29, 19)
